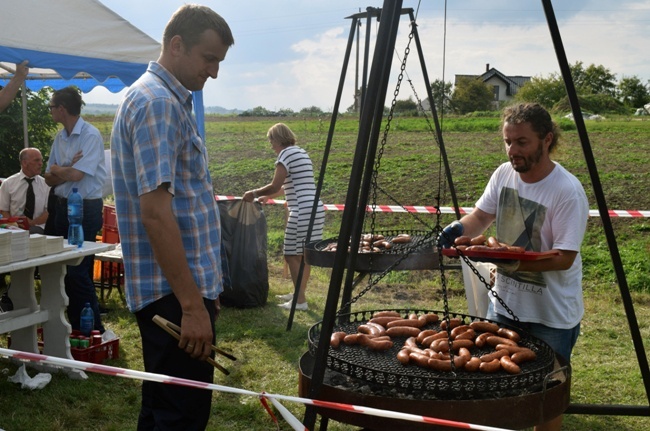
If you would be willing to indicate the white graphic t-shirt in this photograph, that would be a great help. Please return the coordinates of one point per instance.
(549, 214)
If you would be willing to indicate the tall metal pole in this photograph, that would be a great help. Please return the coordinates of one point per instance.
(604, 215)
(371, 115)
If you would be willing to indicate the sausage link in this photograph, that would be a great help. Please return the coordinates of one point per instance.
(386, 313)
(429, 318)
(492, 242)
(381, 330)
(457, 344)
(336, 338)
(369, 330)
(490, 367)
(478, 240)
(467, 335)
(403, 356)
(459, 330)
(489, 357)
(424, 334)
(454, 322)
(495, 339)
(510, 334)
(509, 365)
(402, 331)
(473, 364)
(481, 340)
(383, 320)
(416, 323)
(523, 356)
(426, 342)
(479, 325)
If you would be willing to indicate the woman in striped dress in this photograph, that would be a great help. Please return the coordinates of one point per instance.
(294, 176)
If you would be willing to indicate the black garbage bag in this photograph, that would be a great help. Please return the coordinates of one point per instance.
(243, 238)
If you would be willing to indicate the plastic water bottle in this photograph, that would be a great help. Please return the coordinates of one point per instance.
(75, 218)
(87, 320)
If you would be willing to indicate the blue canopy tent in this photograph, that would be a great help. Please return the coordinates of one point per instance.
(76, 42)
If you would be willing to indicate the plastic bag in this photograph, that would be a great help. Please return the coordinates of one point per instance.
(243, 238)
(476, 292)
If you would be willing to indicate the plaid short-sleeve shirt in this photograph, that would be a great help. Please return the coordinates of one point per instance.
(155, 141)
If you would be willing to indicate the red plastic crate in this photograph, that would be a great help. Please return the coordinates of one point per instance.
(110, 235)
(98, 353)
(110, 218)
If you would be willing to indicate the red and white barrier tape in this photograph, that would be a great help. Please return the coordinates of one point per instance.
(291, 419)
(432, 210)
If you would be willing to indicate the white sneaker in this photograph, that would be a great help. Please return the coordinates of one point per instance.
(285, 298)
(299, 307)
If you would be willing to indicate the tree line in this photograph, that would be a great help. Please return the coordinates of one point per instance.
(597, 88)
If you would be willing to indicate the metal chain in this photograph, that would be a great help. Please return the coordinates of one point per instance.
(374, 280)
(424, 112)
(415, 216)
(382, 146)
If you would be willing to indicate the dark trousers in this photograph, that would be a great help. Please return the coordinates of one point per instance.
(167, 407)
(79, 285)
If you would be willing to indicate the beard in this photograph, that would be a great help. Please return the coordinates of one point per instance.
(525, 164)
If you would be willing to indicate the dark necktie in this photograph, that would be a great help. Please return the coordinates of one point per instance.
(30, 199)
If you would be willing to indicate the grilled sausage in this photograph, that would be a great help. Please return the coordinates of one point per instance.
(495, 339)
(492, 242)
(467, 335)
(509, 365)
(490, 367)
(383, 320)
(482, 326)
(386, 313)
(478, 240)
(481, 340)
(454, 322)
(489, 357)
(416, 323)
(402, 238)
(424, 334)
(381, 330)
(403, 356)
(463, 240)
(457, 344)
(459, 330)
(419, 359)
(523, 356)
(429, 318)
(336, 338)
(402, 331)
(510, 334)
(426, 342)
(473, 364)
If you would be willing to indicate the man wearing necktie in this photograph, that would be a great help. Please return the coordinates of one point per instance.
(25, 193)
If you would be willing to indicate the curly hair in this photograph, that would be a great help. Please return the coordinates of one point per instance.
(538, 117)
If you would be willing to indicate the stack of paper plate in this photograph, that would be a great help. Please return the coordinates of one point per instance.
(53, 244)
(5, 246)
(36, 245)
(19, 244)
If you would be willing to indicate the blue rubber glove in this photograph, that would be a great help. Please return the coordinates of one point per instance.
(449, 234)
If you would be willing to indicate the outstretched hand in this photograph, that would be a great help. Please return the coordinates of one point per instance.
(449, 234)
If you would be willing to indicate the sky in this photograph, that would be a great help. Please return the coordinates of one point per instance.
(289, 54)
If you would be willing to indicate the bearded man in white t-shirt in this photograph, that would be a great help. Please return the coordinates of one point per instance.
(537, 204)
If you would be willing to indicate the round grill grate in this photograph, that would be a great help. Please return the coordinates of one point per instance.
(384, 369)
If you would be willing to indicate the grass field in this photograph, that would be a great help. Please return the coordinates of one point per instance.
(605, 370)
